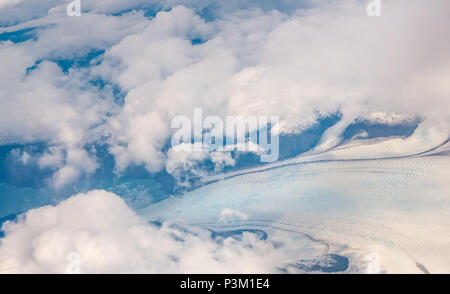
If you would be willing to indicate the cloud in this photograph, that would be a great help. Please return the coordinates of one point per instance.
(292, 59)
(333, 58)
(110, 238)
(230, 215)
(44, 107)
(8, 2)
(39, 102)
(184, 162)
(252, 58)
(77, 162)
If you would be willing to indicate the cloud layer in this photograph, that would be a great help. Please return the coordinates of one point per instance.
(294, 60)
(110, 238)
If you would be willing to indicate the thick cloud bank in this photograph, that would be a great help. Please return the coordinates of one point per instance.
(119, 73)
(110, 238)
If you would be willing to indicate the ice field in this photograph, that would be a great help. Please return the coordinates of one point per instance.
(384, 215)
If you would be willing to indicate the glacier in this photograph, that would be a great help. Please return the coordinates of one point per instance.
(363, 202)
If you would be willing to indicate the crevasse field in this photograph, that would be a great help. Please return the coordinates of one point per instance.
(89, 177)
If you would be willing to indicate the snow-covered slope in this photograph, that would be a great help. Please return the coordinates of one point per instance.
(385, 214)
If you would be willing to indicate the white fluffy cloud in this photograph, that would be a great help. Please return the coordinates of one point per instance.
(183, 162)
(45, 106)
(110, 238)
(228, 215)
(41, 103)
(8, 2)
(253, 60)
